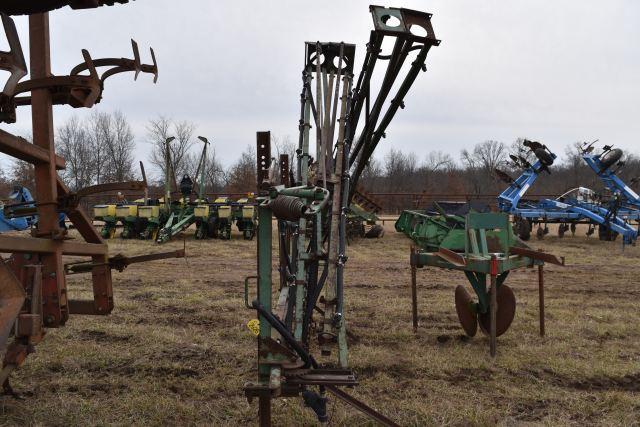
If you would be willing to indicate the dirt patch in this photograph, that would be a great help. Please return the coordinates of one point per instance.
(101, 336)
(465, 375)
(529, 410)
(177, 339)
(628, 382)
(398, 370)
(152, 371)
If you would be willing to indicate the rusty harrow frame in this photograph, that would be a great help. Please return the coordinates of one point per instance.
(33, 288)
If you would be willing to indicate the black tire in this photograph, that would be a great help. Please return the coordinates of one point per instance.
(225, 233)
(540, 233)
(611, 157)
(523, 228)
(544, 156)
(606, 234)
(212, 230)
(561, 230)
(377, 231)
(200, 232)
(126, 233)
(573, 229)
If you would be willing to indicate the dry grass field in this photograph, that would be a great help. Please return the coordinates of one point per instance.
(176, 349)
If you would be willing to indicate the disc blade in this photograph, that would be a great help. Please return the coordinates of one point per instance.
(467, 317)
(505, 313)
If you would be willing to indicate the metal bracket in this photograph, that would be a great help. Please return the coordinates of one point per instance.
(84, 91)
(330, 57)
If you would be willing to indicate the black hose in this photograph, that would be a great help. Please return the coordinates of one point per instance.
(286, 334)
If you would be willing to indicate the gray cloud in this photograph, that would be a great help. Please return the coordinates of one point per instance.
(554, 71)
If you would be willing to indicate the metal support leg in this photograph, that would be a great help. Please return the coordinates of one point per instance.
(493, 306)
(541, 297)
(54, 286)
(414, 292)
(265, 410)
(264, 297)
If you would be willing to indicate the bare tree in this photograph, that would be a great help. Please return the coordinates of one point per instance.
(74, 147)
(23, 174)
(242, 174)
(400, 170)
(284, 145)
(481, 163)
(119, 141)
(518, 149)
(438, 161)
(161, 128)
(372, 174)
(95, 127)
(215, 175)
(487, 155)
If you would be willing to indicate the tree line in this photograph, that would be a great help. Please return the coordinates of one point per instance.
(473, 173)
(100, 149)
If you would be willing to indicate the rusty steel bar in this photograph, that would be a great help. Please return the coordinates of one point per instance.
(54, 285)
(541, 298)
(13, 60)
(10, 244)
(361, 406)
(29, 7)
(112, 186)
(120, 262)
(537, 255)
(263, 158)
(22, 149)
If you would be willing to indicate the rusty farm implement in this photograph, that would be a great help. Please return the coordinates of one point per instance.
(33, 285)
(308, 315)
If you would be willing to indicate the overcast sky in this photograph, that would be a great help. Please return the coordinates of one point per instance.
(554, 71)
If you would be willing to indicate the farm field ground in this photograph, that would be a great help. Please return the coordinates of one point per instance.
(176, 349)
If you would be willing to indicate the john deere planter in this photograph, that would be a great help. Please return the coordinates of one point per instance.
(106, 214)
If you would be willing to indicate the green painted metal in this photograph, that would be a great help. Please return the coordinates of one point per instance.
(109, 228)
(264, 285)
(180, 218)
(431, 232)
(484, 235)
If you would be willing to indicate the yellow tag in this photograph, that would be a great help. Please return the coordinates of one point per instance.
(254, 326)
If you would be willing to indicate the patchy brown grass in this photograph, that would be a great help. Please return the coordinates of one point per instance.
(176, 349)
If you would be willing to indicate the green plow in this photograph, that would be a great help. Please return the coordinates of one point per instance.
(483, 247)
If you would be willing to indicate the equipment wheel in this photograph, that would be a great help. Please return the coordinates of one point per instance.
(466, 311)
(200, 232)
(523, 228)
(606, 234)
(611, 157)
(376, 231)
(505, 312)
